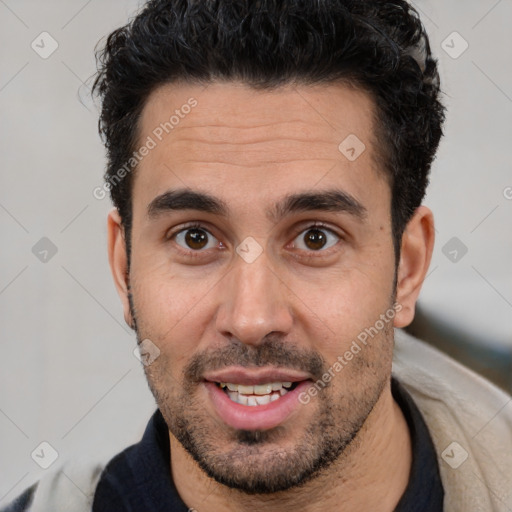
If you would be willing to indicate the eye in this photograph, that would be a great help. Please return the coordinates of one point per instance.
(195, 238)
(316, 238)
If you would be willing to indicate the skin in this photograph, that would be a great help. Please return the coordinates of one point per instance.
(251, 148)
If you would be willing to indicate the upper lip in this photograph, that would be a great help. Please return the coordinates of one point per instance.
(253, 377)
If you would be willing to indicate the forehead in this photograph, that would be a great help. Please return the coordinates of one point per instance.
(229, 136)
(232, 107)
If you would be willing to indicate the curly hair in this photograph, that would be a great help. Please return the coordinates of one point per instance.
(379, 46)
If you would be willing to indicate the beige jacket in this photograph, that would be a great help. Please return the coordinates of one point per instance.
(466, 416)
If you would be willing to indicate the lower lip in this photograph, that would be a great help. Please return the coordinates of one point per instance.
(257, 417)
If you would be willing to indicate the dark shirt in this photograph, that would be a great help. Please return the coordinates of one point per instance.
(139, 478)
(424, 492)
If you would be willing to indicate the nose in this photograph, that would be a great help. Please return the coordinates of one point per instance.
(253, 302)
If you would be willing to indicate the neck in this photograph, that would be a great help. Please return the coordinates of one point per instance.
(372, 474)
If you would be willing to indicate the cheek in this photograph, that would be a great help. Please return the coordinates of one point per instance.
(169, 308)
(345, 305)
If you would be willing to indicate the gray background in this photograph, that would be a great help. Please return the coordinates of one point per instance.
(68, 375)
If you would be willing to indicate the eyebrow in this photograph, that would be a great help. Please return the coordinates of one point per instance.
(332, 200)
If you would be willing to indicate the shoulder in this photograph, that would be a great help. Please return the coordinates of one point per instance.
(432, 376)
(469, 419)
(70, 486)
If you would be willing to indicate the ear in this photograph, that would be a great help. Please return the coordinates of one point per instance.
(117, 259)
(416, 253)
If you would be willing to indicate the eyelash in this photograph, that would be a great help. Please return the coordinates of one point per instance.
(199, 254)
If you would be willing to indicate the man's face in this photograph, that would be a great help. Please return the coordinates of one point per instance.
(255, 295)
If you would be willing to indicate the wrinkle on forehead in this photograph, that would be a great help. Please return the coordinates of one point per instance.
(236, 126)
(237, 113)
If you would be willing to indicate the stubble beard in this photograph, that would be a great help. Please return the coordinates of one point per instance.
(265, 462)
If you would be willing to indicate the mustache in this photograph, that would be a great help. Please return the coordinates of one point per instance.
(271, 352)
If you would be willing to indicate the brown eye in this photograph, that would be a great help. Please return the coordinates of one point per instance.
(195, 238)
(316, 238)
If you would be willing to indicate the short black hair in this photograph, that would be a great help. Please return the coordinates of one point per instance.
(379, 46)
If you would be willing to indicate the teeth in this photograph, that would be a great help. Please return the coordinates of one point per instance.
(260, 394)
(245, 390)
(251, 400)
(259, 389)
(262, 389)
(262, 400)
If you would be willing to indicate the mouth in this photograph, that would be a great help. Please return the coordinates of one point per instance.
(256, 395)
(257, 400)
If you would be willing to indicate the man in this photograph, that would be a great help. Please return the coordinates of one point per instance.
(267, 163)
